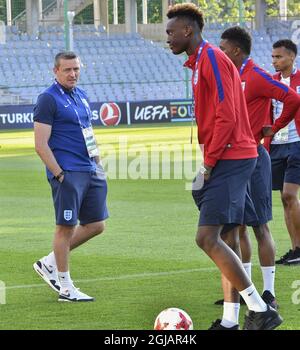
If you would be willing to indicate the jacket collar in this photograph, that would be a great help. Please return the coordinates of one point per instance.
(294, 71)
(249, 64)
(65, 90)
(191, 62)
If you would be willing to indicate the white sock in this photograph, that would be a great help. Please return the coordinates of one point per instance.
(268, 273)
(247, 267)
(50, 259)
(230, 314)
(253, 299)
(65, 279)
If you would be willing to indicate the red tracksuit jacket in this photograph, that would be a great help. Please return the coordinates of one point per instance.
(259, 89)
(284, 119)
(220, 107)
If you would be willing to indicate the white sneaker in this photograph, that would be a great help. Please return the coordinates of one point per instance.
(73, 295)
(48, 273)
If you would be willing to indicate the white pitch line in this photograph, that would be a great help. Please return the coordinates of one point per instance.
(122, 277)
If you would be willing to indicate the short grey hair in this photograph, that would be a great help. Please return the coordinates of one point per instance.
(64, 55)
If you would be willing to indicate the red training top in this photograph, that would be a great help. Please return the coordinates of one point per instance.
(284, 119)
(220, 107)
(259, 89)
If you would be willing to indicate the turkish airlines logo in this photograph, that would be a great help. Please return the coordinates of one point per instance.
(110, 114)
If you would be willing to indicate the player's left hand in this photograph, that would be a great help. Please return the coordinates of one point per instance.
(207, 172)
(267, 130)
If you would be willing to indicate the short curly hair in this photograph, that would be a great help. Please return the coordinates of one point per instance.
(187, 10)
(240, 37)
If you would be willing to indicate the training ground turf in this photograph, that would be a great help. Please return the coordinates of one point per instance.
(146, 260)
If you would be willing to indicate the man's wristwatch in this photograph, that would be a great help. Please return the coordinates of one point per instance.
(59, 175)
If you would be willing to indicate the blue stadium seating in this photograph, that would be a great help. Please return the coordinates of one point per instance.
(116, 67)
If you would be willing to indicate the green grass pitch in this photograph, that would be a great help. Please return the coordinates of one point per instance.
(146, 260)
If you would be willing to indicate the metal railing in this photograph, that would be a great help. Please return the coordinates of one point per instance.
(49, 8)
(20, 19)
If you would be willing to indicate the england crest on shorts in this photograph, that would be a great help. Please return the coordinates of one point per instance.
(68, 215)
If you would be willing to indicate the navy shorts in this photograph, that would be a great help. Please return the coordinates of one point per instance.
(222, 199)
(285, 161)
(81, 196)
(260, 189)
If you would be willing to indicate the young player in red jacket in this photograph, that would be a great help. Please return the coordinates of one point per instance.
(285, 147)
(259, 89)
(230, 153)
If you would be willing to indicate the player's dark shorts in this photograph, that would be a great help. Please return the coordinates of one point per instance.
(222, 199)
(81, 196)
(285, 161)
(260, 188)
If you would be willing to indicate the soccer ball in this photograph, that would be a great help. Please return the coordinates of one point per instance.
(173, 319)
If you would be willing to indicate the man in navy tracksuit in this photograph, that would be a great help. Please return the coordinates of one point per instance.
(65, 142)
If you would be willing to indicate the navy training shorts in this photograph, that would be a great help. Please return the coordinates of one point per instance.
(222, 198)
(285, 160)
(81, 196)
(260, 189)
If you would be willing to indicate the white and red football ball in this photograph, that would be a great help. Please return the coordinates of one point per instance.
(173, 319)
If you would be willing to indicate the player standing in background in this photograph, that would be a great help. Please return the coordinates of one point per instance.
(285, 148)
(259, 88)
(230, 153)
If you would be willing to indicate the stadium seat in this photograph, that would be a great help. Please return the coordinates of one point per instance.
(115, 66)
